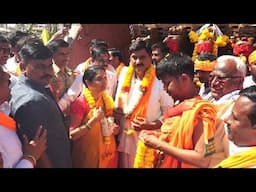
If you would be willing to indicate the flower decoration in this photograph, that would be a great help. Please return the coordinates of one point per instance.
(193, 36)
(222, 41)
(206, 34)
(138, 105)
(145, 156)
(207, 39)
(144, 83)
(108, 103)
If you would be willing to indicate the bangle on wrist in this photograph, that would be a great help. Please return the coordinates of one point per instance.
(30, 158)
(87, 126)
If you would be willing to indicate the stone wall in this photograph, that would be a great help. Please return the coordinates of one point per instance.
(117, 35)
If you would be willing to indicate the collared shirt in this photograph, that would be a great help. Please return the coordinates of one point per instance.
(31, 106)
(230, 96)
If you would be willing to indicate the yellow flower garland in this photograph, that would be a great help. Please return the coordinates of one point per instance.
(197, 82)
(193, 37)
(145, 81)
(107, 102)
(146, 84)
(145, 156)
(90, 99)
(221, 41)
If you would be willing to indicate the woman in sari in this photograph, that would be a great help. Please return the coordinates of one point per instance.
(92, 128)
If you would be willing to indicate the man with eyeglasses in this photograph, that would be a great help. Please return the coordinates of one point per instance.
(226, 81)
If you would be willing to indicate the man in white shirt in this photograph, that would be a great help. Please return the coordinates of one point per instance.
(142, 100)
(226, 81)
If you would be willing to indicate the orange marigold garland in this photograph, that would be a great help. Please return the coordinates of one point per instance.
(138, 106)
(144, 155)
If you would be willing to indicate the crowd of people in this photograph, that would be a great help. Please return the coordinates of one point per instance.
(167, 107)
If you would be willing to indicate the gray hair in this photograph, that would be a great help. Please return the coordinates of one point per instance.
(240, 65)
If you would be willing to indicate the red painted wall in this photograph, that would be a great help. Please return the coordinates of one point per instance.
(117, 35)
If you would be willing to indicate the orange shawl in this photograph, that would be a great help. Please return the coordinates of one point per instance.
(141, 108)
(179, 128)
(7, 122)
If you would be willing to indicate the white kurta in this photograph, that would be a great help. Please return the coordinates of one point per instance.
(158, 103)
